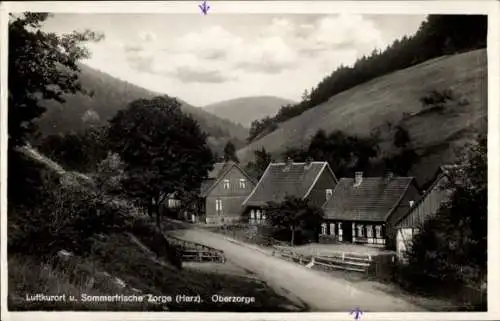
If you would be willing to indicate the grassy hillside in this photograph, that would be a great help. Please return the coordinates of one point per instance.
(119, 261)
(112, 94)
(395, 98)
(247, 109)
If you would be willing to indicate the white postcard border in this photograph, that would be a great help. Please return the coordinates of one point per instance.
(491, 8)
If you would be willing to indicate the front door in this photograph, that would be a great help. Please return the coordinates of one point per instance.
(347, 232)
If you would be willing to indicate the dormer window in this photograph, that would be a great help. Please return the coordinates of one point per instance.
(226, 184)
(243, 183)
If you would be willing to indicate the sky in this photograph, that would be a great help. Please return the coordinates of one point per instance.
(207, 59)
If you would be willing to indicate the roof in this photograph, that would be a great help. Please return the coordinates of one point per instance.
(443, 171)
(373, 200)
(216, 174)
(218, 169)
(276, 183)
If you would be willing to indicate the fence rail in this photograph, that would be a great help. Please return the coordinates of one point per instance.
(330, 260)
(192, 251)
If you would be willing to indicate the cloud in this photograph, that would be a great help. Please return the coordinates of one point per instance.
(147, 36)
(217, 55)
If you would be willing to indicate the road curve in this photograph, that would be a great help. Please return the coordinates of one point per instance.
(321, 292)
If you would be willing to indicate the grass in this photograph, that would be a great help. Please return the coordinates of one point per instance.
(371, 105)
(118, 256)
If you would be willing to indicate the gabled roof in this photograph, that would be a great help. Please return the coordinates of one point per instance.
(282, 179)
(373, 200)
(217, 173)
(443, 171)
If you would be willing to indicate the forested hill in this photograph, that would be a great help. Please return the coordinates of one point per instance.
(437, 36)
(441, 103)
(110, 95)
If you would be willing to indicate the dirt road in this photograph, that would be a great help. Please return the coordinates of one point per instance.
(319, 291)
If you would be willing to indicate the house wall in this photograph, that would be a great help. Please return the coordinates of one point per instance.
(411, 194)
(409, 226)
(404, 238)
(428, 206)
(326, 180)
(231, 198)
(347, 231)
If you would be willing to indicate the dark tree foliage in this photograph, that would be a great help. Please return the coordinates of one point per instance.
(230, 153)
(345, 154)
(42, 65)
(295, 215)
(438, 35)
(261, 160)
(163, 149)
(77, 151)
(405, 156)
(401, 137)
(451, 248)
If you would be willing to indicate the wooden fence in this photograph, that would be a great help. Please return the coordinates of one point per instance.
(196, 252)
(334, 260)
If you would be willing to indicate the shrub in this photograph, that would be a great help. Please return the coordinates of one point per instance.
(67, 217)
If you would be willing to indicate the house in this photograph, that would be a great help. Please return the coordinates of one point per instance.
(310, 180)
(223, 192)
(424, 208)
(364, 209)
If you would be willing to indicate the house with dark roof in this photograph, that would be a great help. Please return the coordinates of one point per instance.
(310, 180)
(424, 208)
(365, 209)
(223, 192)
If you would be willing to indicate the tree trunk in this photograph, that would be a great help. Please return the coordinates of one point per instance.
(293, 235)
(156, 208)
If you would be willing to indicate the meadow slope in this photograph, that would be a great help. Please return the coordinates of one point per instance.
(395, 98)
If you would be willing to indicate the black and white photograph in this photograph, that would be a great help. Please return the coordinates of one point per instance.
(246, 162)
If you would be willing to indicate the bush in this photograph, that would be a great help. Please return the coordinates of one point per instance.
(66, 217)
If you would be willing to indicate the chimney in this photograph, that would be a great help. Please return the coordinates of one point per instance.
(309, 160)
(289, 163)
(358, 178)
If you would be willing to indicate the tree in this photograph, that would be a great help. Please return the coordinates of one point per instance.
(42, 65)
(405, 157)
(110, 174)
(257, 168)
(164, 151)
(295, 215)
(230, 152)
(344, 153)
(451, 248)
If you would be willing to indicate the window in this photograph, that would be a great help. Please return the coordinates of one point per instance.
(369, 231)
(243, 183)
(218, 206)
(323, 229)
(329, 193)
(258, 215)
(252, 215)
(340, 229)
(332, 229)
(378, 231)
(226, 184)
(360, 231)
